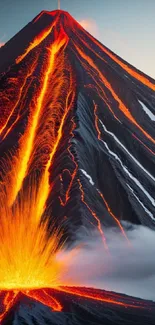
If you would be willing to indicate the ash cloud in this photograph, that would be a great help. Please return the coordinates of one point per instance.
(126, 269)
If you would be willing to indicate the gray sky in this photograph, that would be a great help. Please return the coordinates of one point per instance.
(125, 26)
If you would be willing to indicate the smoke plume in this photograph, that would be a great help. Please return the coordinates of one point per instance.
(128, 269)
(91, 26)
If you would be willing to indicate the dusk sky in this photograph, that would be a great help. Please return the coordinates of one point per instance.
(125, 26)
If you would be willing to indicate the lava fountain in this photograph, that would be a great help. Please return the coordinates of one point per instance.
(29, 255)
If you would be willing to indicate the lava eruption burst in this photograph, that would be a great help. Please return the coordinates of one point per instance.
(29, 256)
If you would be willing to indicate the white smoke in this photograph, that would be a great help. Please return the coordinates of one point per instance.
(91, 26)
(126, 269)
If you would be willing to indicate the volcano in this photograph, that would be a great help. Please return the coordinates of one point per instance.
(77, 146)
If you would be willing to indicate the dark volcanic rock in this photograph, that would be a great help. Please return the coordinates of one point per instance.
(80, 311)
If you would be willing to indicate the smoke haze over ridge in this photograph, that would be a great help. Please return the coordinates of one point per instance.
(129, 270)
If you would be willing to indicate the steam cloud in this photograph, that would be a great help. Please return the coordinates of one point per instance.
(91, 26)
(127, 269)
(2, 40)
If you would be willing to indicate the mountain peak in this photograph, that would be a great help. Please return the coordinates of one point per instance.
(54, 14)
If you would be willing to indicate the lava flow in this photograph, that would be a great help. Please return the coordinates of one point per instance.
(77, 145)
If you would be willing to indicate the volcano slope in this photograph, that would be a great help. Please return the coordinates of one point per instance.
(77, 143)
(74, 306)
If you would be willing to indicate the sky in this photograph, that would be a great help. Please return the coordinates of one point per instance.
(127, 27)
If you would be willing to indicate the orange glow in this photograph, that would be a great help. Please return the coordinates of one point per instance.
(74, 163)
(132, 72)
(90, 25)
(72, 175)
(96, 122)
(144, 145)
(43, 297)
(101, 195)
(29, 258)
(122, 107)
(10, 103)
(94, 295)
(49, 13)
(143, 79)
(37, 41)
(7, 299)
(114, 217)
(44, 185)
(47, 298)
(27, 141)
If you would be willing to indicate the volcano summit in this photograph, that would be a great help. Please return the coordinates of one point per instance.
(77, 145)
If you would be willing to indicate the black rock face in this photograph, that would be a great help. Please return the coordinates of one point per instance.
(78, 309)
(79, 117)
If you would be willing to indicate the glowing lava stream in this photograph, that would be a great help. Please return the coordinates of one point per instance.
(37, 41)
(43, 297)
(143, 79)
(72, 175)
(94, 215)
(21, 88)
(101, 195)
(122, 107)
(27, 144)
(47, 298)
(44, 187)
(8, 302)
(147, 148)
(86, 293)
(40, 295)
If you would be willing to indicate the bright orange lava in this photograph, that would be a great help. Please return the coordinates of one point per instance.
(53, 298)
(29, 257)
(93, 294)
(45, 298)
(129, 69)
(105, 82)
(7, 301)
